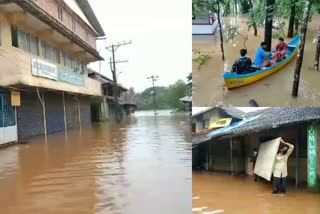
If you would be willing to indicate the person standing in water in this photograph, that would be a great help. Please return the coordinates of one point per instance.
(280, 170)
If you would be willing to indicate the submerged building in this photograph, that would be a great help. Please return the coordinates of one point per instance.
(45, 47)
(104, 107)
(229, 148)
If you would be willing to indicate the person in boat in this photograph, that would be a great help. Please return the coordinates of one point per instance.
(280, 170)
(261, 60)
(243, 64)
(281, 51)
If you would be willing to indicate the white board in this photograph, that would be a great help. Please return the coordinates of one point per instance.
(266, 157)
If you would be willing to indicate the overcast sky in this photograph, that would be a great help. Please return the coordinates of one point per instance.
(161, 35)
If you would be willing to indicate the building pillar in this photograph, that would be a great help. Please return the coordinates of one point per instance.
(312, 157)
(43, 104)
(64, 113)
(231, 156)
(298, 139)
(79, 112)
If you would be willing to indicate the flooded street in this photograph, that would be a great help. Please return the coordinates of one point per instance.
(221, 193)
(275, 90)
(140, 166)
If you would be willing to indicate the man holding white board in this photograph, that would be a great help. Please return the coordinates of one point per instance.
(272, 159)
(280, 170)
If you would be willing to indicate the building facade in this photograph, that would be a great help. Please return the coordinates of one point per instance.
(45, 48)
(104, 108)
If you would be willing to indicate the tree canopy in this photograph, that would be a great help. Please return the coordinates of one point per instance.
(166, 97)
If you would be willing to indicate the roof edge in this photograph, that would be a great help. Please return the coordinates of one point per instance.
(89, 13)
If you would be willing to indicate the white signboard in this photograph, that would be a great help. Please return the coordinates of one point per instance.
(41, 68)
(266, 158)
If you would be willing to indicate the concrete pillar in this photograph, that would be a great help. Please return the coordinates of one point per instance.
(312, 157)
(298, 140)
(6, 40)
(231, 156)
(79, 112)
(64, 113)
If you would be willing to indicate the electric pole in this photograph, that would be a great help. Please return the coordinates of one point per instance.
(113, 48)
(153, 79)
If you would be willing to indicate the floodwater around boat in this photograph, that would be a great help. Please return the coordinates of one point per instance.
(275, 90)
(142, 165)
(222, 193)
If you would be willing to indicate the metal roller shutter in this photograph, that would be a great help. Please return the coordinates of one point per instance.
(29, 114)
(72, 111)
(54, 112)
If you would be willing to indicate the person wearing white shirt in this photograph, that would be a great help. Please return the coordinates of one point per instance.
(280, 170)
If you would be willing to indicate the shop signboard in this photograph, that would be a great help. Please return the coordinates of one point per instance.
(312, 156)
(223, 122)
(70, 77)
(41, 68)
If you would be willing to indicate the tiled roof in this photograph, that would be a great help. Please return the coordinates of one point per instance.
(267, 119)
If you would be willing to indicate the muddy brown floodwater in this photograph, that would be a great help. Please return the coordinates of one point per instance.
(140, 166)
(275, 90)
(219, 193)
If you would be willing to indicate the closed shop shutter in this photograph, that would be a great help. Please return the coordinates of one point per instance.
(29, 114)
(85, 111)
(54, 112)
(72, 111)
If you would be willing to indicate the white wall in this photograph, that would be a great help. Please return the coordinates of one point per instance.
(204, 29)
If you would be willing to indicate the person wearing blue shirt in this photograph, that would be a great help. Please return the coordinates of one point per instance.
(261, 59)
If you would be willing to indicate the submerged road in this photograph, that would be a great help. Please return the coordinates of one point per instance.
(140, 166)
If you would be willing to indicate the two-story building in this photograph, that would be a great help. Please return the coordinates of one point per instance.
(104, 108)
(45, 47)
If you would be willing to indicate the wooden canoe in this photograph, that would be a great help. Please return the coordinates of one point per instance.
(233, 80)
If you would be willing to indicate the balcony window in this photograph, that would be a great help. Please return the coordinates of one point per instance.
(60, 13)
(50, 53)
(24, 41)
(74, 25)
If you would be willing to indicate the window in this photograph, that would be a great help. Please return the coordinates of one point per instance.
(73, 25)
(50, 53)
(14, 36)
(60, 13)
(87, 36)
(25, 41)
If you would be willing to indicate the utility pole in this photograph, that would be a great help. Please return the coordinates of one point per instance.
(153, 79)
(113, 48)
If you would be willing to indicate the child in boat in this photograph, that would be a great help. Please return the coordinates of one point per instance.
(281, 51)
(243, 64)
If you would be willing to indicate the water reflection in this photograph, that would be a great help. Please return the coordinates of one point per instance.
(208, 85)
(137, 166)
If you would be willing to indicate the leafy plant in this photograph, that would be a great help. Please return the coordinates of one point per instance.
(201, 56)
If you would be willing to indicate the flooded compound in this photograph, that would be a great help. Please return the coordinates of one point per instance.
(275, 90)
(142, 165)
(222, 193)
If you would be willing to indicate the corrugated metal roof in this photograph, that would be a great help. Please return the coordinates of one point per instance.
(268, 119)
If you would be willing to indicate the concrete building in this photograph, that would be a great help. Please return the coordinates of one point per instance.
(45, 48)
(228, 149)
(104, 108)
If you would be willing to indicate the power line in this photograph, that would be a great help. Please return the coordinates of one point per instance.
(113, 48)
(154, 78)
